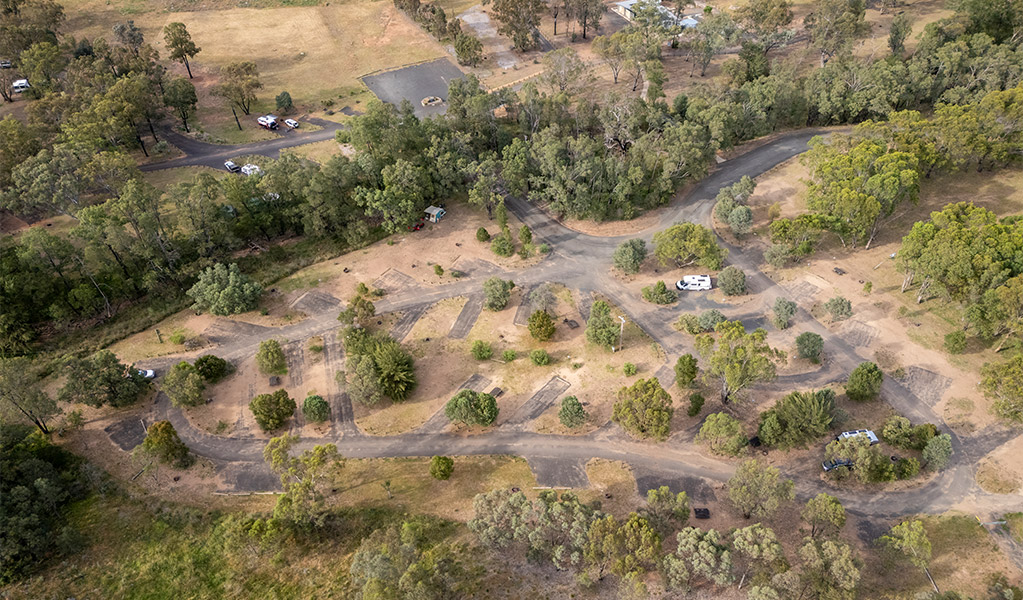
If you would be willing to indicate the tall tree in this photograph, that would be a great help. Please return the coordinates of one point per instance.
(518, 20)
(699, 554)
(102, 379)
(910, 539)
(755, 549)
(738, 358)
(685, 244)
(824, 513)
(239, 82)
(21, 396)
(180, 44)
(1003, 383)
(833, 25)
(757, 489)
(306, 479)
(180, 96)
(765, 21)
(644, 409)
(588, 13)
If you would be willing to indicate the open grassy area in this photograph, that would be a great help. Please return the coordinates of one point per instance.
(166, 178)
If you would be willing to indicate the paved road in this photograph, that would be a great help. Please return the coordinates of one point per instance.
(581, 261)
(202, 154)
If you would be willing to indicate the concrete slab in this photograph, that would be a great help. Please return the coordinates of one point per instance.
(394, 280)
(541, 401)
(559, 472)
(415, 82)
(126, 433)
(467, 318)
(248, 477)
(524, 310)
(315, 302)
(926, 385)
(222, 331)
(858, 333)
(698, 490)
(408, 320)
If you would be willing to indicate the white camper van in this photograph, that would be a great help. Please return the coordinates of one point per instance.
(694, 283)
(20, 85)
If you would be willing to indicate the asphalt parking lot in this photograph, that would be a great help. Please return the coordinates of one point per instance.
(414, 83)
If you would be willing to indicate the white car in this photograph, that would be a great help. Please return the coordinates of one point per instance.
(5, 64)
(231, 166)
(267, 122)
(147, 373)
(857, 432)
(20, 85)
(694, 283)
(251, 169)
(292, 123)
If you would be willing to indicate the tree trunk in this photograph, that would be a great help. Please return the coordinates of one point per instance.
(142, 144)
(152, 130)
(923, 290)
(236, 121)
(907, 281)
(187, 68)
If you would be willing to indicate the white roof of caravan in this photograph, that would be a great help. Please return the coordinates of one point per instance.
(18, 82)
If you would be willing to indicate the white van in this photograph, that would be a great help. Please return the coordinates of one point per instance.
(694, 283)
(20, 85)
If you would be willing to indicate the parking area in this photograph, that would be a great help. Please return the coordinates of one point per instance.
(414, 83)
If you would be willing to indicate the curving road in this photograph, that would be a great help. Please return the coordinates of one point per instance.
(581, 261)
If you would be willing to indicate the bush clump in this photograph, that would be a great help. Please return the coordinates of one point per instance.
(732, 281)
(481, 350)
(539, 357)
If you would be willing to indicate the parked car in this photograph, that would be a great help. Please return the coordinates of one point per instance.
(838, 462)
(147, 373)
(850, 434)
(20, 85)
(292, 123)
(5, 64)
(251, 169)
(231, 166)
(694, 283)
(267, 122)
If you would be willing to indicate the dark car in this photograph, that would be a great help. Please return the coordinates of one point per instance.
(838, 462)
(231, 166)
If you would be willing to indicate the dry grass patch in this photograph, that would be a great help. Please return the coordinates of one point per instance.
(613, 485)
(166, 178)
(319, 152)
(994, 477)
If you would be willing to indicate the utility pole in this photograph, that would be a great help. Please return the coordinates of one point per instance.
(621, 332)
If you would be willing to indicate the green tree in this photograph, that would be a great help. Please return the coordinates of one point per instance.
(740, 220)
(179, 94)
(272, 410)
(870, 465)
(732, 281)
(21, 395)
(809, 345)
(441, 467)
(42, 62)
(270, 358)
(102, 379)
(824, 514)
(564, 70)
(784, 310)
(284, 103)
(1003, 384)
(162, 441)
(481, 350)
(518, 20)
(685, 370)
(541, 326)
(184, 385)
(839, 307)
(315, 409)
(497, 292)
(212, 368)
(755, 549)
(709, 319)
(397, 371)
(358, 311)
(644, 409)
(572, 414)
(938, 451)
(601, 328)
(238, 84)
(765, 20)
(539, 357)
(685, 244)
(630, 547)
(897, 34)
(864, 382)
(699, 554)
(179, 42)
(224, 290)
(723, 433)
(910, 539)
(667, 510)
(798, 418)
(363, 380)
(757, 489)
(827, 570)
(306, 480)
(472, 408)
(482, 234)
(630, 254)
(468, 49)
(738, 358)
(543, 298)
(833, 25)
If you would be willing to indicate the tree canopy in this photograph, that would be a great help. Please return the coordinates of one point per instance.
(644, 409)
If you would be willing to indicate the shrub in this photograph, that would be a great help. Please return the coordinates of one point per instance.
(695, 404)
(481, 350)
(798, 418)
(482, 234)
(284, 103)
(777, 255)
(497, 292)
(183, 385)
(839, 308)
(270, 358)
(361, 289)
(709, 319)
(441, 467)
(864, 382)
(784, 310)
(897, 431)
(724, 206)
(809, 345)
(572, 413)
(525, 235)
(502, 245)
(509, 355)
(723, 433)
(689, 324)
(539, 357)
(162, 441)
(224, 290)
(938, 451)
(659, 294)
(544, 248)
(955, 342)
(629, 255)
(740, 220)
(439, 270)
(272, 410)
(212, 368)
(685, 370)
(471, 408)
(316, 409)
(541, 326)
(907, 468)
(732, 281)
(868, 287)
(629, 369)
